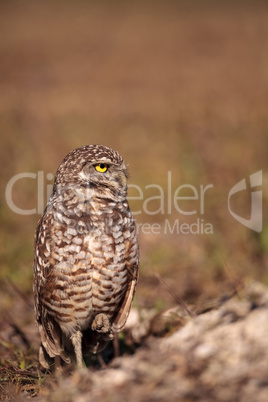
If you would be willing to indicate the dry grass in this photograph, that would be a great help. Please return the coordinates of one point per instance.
(174, 86)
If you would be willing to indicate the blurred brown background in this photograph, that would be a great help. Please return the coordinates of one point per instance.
(179, 86)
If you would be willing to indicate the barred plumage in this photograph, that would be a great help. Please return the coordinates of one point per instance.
(86, 256)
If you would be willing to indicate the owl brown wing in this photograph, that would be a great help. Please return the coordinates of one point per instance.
(122, 315)
(132, 265)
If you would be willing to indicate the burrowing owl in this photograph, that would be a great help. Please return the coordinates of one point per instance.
(86, 256)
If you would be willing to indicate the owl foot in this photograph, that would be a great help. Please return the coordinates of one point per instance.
(101, 323)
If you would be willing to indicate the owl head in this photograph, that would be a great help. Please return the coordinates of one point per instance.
(97, 169)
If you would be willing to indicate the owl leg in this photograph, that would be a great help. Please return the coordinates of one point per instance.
(76, 339)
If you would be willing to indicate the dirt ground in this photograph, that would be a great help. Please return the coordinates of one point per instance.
(180, 89)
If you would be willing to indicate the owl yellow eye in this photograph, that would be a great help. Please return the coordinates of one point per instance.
(101, 167)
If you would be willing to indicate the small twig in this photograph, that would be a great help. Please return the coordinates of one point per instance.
(116, 345)
(19, 331)
(18, 291)
(238, 284)
(101, 361)
(176, 297)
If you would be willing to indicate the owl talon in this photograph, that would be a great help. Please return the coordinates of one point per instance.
(101, 323)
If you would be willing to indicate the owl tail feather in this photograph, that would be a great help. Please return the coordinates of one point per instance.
(121, 317)
(51, 344)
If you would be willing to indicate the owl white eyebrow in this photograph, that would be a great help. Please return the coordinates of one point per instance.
(104, 160)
